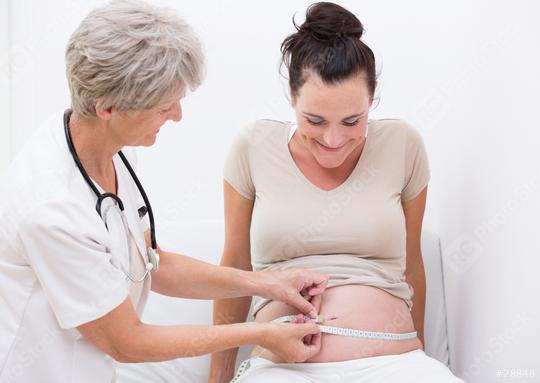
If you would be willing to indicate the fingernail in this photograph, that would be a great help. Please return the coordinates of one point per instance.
(313, 314)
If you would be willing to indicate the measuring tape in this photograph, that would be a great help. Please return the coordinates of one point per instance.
(349, 331)
(335, 331)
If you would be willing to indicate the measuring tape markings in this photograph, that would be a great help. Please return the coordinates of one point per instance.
(349, 331)
(334, 331)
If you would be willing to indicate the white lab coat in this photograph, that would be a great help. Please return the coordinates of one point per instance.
(55, 264)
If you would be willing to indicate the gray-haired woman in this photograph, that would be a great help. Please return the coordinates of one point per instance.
(75, 266)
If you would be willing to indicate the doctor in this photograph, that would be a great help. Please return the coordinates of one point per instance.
(75, 269)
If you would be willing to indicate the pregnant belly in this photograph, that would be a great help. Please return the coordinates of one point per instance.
(357, 307)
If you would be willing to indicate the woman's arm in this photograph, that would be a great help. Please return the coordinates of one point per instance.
(236, 253)
(185, 277)
(415, 274)
(124, 337)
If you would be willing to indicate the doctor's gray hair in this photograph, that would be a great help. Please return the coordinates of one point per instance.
(131, 55)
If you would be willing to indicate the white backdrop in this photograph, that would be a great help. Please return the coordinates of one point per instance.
(5, 139)
(465, 74)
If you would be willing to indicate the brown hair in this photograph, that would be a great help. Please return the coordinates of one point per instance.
(328, 44)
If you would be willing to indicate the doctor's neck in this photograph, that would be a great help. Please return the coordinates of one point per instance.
(96, 144)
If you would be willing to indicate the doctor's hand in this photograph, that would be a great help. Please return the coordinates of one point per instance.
(288, 340)
(296, 287)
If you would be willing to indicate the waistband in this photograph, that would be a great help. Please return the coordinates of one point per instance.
(371, 360)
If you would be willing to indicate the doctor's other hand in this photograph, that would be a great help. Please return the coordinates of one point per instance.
(288, 340)
(296, 287)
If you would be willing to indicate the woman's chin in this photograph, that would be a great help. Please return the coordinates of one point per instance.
(148, 141)
(329, 162)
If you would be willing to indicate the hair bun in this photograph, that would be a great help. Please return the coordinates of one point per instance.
(328, 21)
(328, 45)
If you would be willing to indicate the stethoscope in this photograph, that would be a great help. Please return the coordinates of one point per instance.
(152, 257)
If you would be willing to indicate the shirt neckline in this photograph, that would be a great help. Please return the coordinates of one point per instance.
(310, 184)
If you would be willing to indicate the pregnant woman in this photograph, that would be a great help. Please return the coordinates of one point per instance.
(338, 193)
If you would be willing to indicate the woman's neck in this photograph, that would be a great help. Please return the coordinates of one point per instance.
(95, 146)
(301, 154)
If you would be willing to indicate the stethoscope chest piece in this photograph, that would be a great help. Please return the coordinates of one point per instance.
(153, 258)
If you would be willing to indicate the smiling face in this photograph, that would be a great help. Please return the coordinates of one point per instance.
(140, 127)
(332, 119)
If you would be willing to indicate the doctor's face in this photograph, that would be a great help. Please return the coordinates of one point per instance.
(140, 127)
(332, 119)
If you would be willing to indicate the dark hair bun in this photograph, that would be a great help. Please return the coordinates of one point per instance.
(328, 44)
(328, 21)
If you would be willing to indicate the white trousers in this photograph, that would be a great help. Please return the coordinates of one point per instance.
(410, 367)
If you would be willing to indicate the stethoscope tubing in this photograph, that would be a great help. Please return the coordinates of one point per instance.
(102, 196)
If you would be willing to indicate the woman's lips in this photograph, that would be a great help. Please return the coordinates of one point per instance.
(331, 150)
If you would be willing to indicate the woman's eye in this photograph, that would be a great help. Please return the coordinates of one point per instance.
(350, 123)
(316, 123)
(163, 111)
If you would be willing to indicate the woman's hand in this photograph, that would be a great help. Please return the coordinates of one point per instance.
(296, 287)
(316, 302)
(288, 340)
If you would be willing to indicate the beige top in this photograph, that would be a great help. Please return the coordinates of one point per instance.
(354, 233)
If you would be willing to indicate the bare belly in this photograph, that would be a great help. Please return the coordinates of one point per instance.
(358, 307)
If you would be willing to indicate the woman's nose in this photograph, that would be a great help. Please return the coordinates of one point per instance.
(332, 137)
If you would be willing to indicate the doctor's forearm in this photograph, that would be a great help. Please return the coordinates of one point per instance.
(185, 277)
(227, 311)
(122, 335)
(159, 343)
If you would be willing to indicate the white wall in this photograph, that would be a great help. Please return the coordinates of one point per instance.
(489, 209)
(464, 73)
(5, 136)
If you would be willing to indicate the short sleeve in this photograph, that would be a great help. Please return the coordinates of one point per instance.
(237, 169)
(65, 249)
(417, 170)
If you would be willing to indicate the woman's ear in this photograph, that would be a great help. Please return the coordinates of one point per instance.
(293, 100)
(374, 92)
(101, 113)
